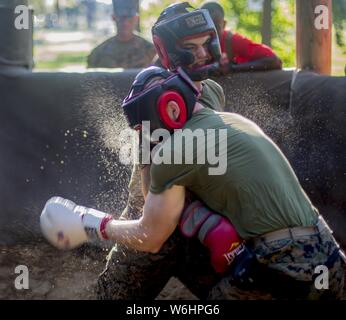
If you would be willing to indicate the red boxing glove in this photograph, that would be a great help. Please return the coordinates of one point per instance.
(214, 231)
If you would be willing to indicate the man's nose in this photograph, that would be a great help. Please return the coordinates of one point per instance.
(202, 52)
(124, 22)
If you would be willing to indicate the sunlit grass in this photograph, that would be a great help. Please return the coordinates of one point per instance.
(339, 61)
(63, 60)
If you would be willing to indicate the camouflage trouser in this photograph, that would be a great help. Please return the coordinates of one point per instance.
(289, 270)
(130, 274)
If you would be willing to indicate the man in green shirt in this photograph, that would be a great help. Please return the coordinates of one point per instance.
(256, 189)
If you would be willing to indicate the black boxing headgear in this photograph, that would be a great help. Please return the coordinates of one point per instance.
(147, 102)
(175, 24)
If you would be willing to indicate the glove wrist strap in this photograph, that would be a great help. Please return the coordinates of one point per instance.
(103, 225)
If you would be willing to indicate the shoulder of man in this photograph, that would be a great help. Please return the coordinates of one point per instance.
(143, 42)
(103, 45)
(98, 51)
(217, 91)
(168, 167)
(146, 48)
(239, 37)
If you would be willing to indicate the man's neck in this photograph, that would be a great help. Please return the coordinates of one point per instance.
(124, 38)
(197, 107)
(198, 84)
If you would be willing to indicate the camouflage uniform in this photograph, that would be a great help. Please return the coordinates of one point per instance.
(136, 53)
(286, 270)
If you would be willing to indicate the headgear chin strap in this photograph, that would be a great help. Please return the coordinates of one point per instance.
(150, 104)
(174, 25)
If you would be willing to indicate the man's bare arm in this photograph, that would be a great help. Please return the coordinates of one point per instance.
(145, 180)
(160, 217)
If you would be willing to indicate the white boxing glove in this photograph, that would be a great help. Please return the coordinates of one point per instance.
(67, 225)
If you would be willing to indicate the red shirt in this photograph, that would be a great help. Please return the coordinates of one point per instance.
(244, 49)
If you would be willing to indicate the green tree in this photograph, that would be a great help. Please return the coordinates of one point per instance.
(248, 21)
(284, 35)
(39, 6)
(339, 20)
(150, 14)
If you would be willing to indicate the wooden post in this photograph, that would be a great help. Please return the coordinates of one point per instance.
(16, 45)
(57, 8)
(267, 22)
(314, 35)
(138, 27)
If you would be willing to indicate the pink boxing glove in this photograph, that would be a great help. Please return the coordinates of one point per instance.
(214, 231)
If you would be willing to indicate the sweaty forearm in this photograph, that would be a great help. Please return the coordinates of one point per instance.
(264, 64)
(131, 233)
(67, 225)
(145, 179)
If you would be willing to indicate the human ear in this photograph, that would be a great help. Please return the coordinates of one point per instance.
(173, 110)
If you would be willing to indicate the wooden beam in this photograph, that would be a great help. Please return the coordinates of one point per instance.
(266, 29)
(314, 35)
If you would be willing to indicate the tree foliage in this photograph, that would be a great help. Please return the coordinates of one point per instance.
(152, 12)
(39, 6)
(247, 20)
(339, 19)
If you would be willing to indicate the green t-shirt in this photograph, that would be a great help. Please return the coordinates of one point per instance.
(212, 96)
(258, 192)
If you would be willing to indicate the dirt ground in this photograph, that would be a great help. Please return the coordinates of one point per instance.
(59, 275)
(66, 275)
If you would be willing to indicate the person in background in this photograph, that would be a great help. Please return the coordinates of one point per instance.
(126, 49)
(242, 53)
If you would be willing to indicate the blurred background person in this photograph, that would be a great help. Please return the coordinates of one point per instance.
(90, 6)
(242, 53)
(126, 49)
